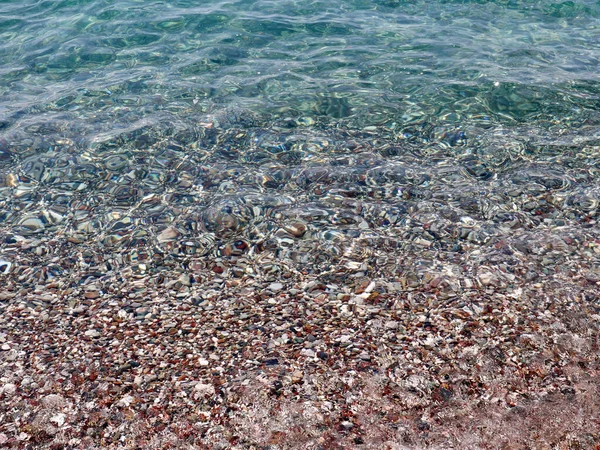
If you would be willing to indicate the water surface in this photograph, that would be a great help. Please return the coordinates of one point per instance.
(231, 121)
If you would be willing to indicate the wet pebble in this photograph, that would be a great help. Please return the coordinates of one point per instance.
(275, 287)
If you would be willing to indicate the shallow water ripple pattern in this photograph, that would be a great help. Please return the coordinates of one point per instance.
(268, 137)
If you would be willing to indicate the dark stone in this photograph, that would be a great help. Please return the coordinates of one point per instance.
(423, 426)
(277, 387)
(322, 355)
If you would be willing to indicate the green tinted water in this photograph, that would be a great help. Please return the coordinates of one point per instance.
(224, 118)
(363, 62)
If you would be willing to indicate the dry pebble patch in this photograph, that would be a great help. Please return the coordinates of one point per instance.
(237, 363)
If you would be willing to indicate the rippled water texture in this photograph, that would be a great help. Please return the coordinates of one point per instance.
(316, 131)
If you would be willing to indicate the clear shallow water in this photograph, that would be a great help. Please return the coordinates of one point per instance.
(233, 120)
(366, 62)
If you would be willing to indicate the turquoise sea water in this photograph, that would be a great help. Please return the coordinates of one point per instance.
(364, 62)
(220, 118)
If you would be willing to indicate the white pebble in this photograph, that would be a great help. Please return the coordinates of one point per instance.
(59, 419)
(275, 287)
(204, 389)
(126, 401)
(92, 333)
(486, 278)
(8, 389)
(391, 325)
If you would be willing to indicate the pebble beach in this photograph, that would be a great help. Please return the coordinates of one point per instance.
(451, 308)
(268, 225)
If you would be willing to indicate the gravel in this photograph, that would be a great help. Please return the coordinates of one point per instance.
(467, 316)
(108, 371)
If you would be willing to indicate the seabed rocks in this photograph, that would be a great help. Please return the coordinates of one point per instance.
(294, 287)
